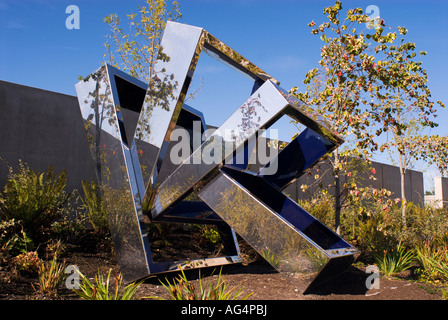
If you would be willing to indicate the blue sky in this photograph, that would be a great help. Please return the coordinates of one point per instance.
(38, 50)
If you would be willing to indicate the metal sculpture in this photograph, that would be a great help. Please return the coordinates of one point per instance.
(129, 125)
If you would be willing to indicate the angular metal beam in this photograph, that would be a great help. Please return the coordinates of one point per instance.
(181, 47)
(289, 238)
(105, 97)
(110, 103)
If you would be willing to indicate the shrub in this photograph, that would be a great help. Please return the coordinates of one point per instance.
(93, 205)
(426, 225)
(210, 234)
(101, 289)
(70, 229)
(433, 262)
(395, 261)
(369, 233)
(35, 199)
(51, 274)
(27, 262)
(376, 229)
(183, 289)
(13, 239)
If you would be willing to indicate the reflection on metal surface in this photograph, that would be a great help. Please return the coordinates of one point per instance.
(182, 45)
(288, 237)
(104, 98)
(111, 105)
(129, 127)
(306, 149)
(264, 106)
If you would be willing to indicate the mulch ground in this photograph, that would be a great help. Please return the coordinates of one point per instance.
(256, 277)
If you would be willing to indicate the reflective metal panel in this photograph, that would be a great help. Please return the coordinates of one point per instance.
(110, 103)
(309, 117)
(181, 47)
(310, 227)
(289, 238)
(300, 154)
(259, 110)
(220, 51)
(103, 109)
(192, 122)
(164, 98)
(274, 239)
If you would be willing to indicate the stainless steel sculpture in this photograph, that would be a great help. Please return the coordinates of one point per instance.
(129, 125)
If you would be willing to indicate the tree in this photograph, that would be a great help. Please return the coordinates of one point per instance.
(358, 79)
(434, 150)
(402, 146)
(411, 146)
(100, 113)
(138, 49)
(408, 100)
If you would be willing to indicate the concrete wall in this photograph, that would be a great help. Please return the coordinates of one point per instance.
(387, 177)
(43, 128)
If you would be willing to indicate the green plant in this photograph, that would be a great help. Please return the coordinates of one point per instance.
(210, 233)
(27, 262)
(13, 239)
(36, 199)
(370, 232)
(273, 259)
(445, 293)
(433, 263)
(426, 225)
(93, 204)
(442, 267)
(70, 228)
(51, 274)
(101, 289)
(136, 47)
(183, 289)
(426, 257)
(394, 261)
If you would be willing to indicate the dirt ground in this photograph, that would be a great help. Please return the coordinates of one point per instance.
(256, 277)
(267, 284)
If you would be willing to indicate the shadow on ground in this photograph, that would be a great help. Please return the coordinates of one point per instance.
(352, 281)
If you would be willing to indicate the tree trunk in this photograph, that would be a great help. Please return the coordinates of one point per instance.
(97, 137)
(337, 194)
(403, 192)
